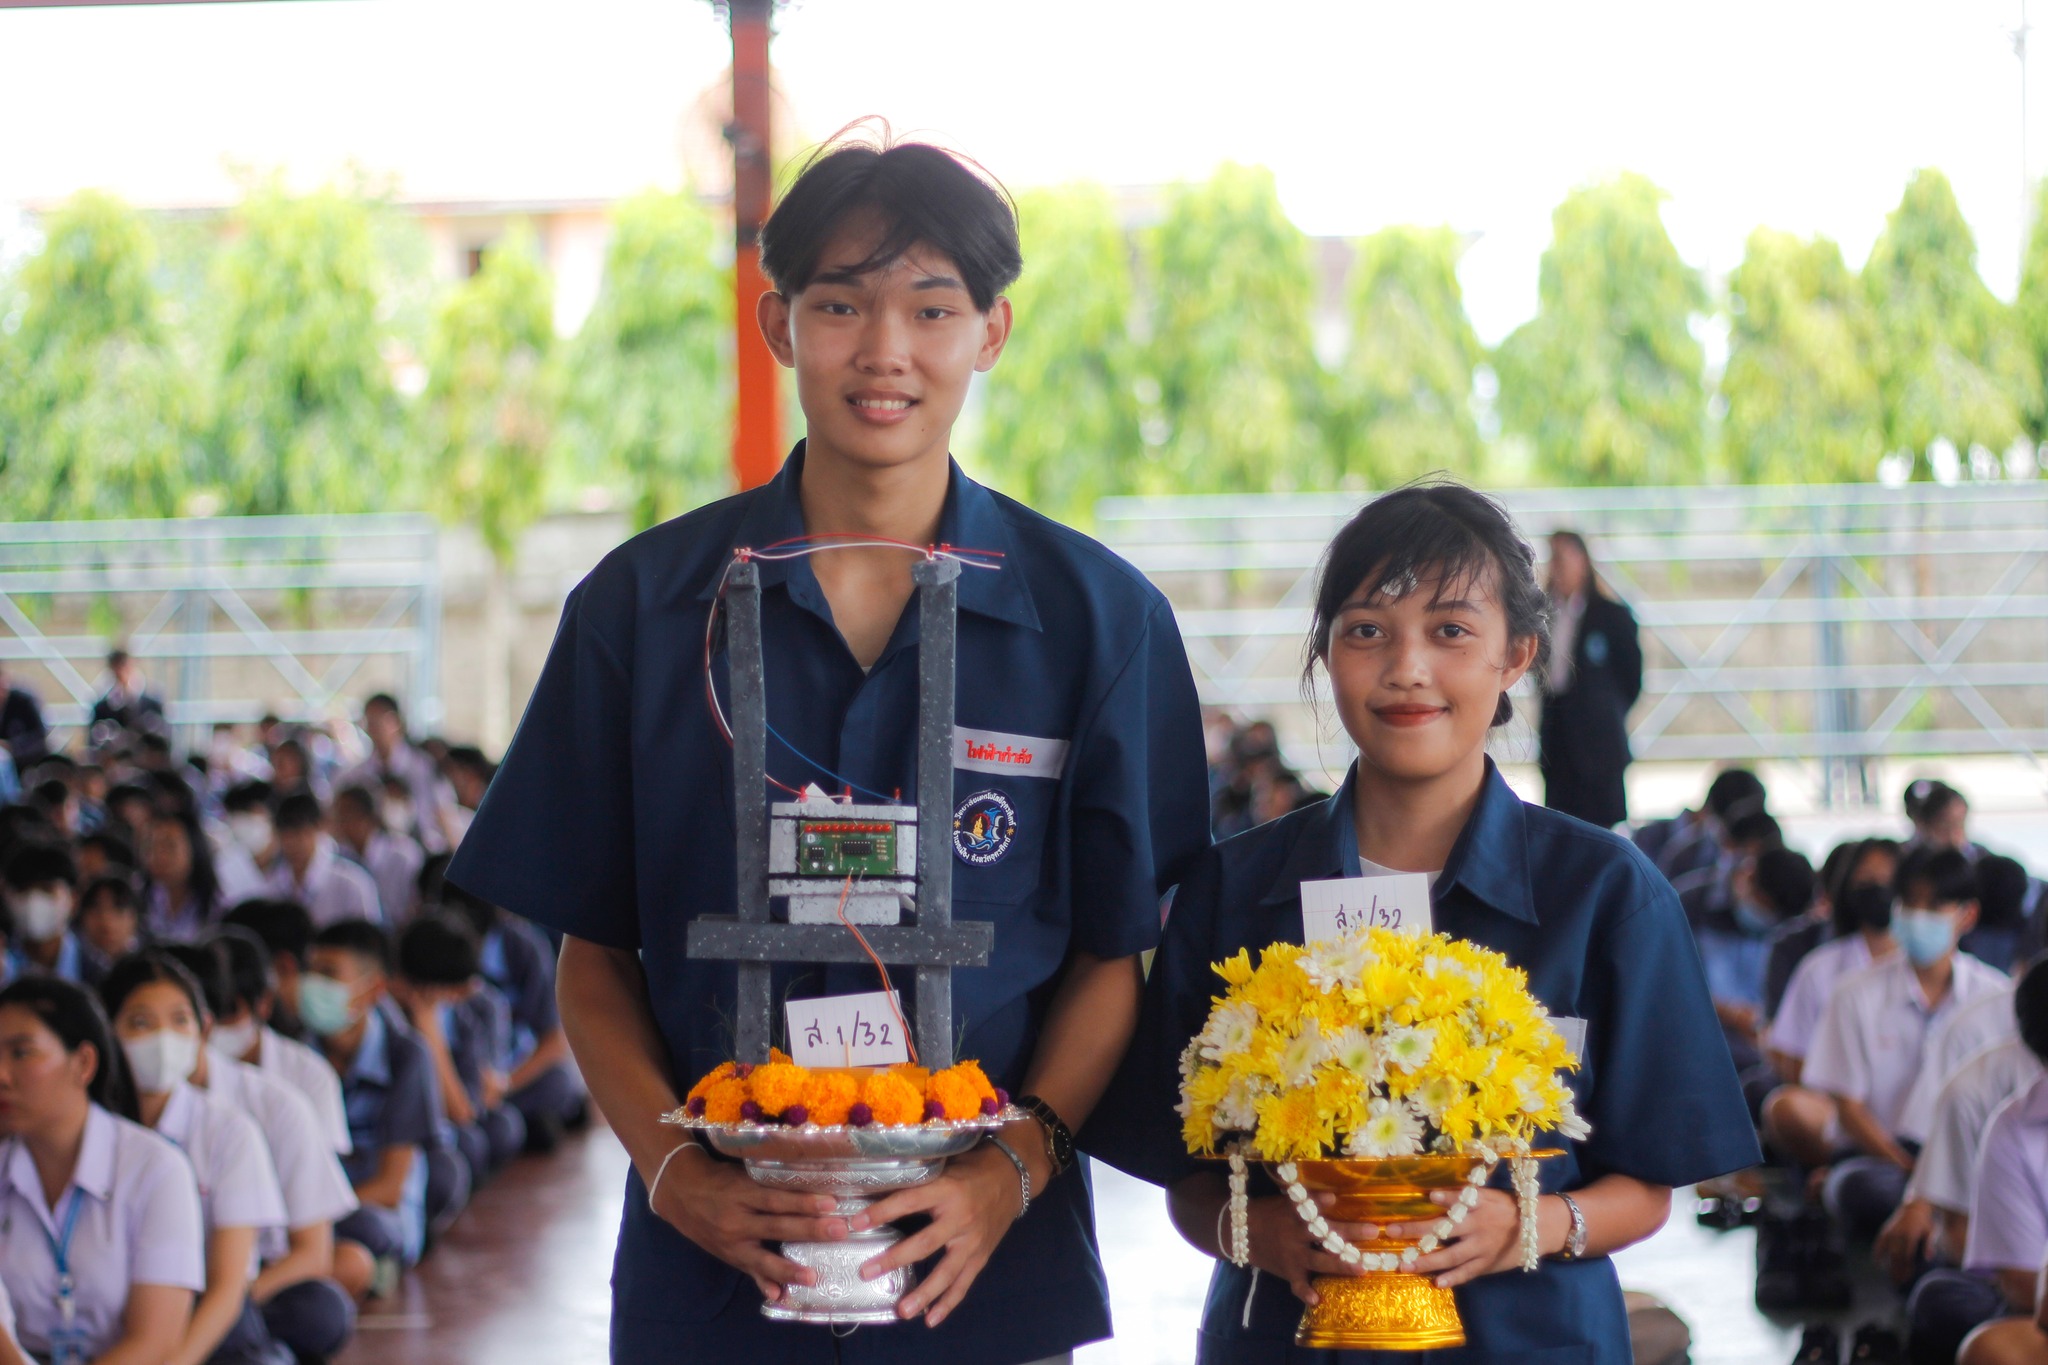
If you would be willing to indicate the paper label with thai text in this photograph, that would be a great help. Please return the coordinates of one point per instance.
(1344, 905)
(847, 1030)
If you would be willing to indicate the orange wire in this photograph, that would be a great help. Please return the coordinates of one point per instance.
(889, 990)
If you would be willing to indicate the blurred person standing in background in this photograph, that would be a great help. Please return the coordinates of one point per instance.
(1595, 676)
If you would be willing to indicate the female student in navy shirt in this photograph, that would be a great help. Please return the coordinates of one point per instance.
(1427, 613)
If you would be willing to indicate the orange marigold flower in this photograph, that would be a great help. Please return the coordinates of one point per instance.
(703, 1087)
(892, 1099)
(954, 1094)
(722, 1102)
(971, 1072)
(777, 1086)
(829, 1094)
(776, 1054)
(912, 1072)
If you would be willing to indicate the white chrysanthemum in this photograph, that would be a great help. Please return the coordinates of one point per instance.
(1571, 1125)
(1352, 1048)
(1532, 1101)
(1303, 1054)
(1336, 962)
(1229, 1031)
(1437, 1094)
(1190, 1060)
(1237, 1111)
(1409, 1048)
(1390, 1129)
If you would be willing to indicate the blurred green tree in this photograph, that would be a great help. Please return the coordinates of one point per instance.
(307, 418)
(1403, 403)
(650, 402)
(491, 400)
(1233, 286)
(2030, 310)
(1607, 377)
(98, 410)
(1060, 426)
(1802, 396)
(1951, 360)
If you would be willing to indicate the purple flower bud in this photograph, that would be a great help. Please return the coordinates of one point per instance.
(796, 1116)
(1002, 1098)
(933, 1111)
(751, 1112)
(860, 1116)
(695, 1108)
(989, 1107)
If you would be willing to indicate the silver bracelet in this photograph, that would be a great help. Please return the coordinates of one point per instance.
(1023, 1171)
(1575, 1238)
(662, 1169)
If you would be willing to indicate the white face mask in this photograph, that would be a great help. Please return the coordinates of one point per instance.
(397, 816)
(235, 1040)
(162, 1059)
(251, 831)
(42, 915)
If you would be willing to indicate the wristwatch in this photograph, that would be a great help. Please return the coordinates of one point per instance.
(1574, 1240)
(1059, 1139)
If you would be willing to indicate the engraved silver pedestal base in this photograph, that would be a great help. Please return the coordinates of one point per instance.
(856, 1166)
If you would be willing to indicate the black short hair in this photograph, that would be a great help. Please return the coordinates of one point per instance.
(477, 912)
(437, 950)
(358, 936)
(383, 700)
(116, 657)
(1839, 857)
(139, 969)
(285, 927)
(359, 798)
(246, 959)
(1436, 533)
(2030, 1005)
(300, 810)
(119, 890)
(1943, 871)
(1756, 827)
(1732, 787)
(1926, 797)
(248, 796)
(1785, 880)
(38, 864)
(112, 847)
(2001, 892)
(210, 970)
(75, 1015)
(916, 194)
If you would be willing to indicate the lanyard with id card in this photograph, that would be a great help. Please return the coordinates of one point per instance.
(67, 1340)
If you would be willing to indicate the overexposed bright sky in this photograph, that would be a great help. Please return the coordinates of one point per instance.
(1478, 113)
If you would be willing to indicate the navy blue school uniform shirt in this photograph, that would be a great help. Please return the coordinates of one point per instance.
(516, 963)
(1602, 939)
(611, 820)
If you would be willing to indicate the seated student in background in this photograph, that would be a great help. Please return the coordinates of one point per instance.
(1800, 1120)
(251, 842)
(1873, 1037)
(85, 1187)
(542, 1079)
(40, 880)
(2008, 1224)
(1698, 844)
(1965, 1032)
(1710, 891)
(245, 1030)
(310, 870)
(392, 860)
(160, 1019)
(1770, 887)
(104, 854)
(109, 924)
(1795, 938)
(1940, 816)
(300, 1290)
(184, 892)
(467, 1027)
(2003, 889)
(387, 1085)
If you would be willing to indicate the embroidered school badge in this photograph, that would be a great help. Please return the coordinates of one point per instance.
(984, 827)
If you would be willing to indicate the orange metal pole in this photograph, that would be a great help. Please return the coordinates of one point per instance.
(757, 418)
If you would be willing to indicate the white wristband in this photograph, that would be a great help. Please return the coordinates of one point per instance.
(662, 1169)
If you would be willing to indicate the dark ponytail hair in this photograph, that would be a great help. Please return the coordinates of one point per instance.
(73, 1013)
(1437, 534)
(142, 968)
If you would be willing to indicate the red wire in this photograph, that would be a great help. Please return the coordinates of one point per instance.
(889, 991)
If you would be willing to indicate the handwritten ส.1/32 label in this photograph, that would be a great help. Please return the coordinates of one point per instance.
(847, 1030)
(1344, 905)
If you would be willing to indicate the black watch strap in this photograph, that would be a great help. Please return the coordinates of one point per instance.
(1059, 1139)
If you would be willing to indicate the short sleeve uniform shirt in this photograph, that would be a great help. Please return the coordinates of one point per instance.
(1080, 789)
(2009, 1215)
(1946, 1170)
(1603, 940)
(1874, 1034)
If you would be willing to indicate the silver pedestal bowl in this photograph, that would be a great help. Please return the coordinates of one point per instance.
(856, 1166)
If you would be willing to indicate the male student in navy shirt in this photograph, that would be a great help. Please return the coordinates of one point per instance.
(611, 817)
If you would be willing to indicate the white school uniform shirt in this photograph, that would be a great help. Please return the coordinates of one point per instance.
(393, 862)
(139, 1223)
(1806, 994)
(237, 1183)
(1875, 1031)
(430, 795)
(334, 888)
(2009, 1216)
(309, 1174)
(309, 1073)
(1948, 1163)
(1984, 1023)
